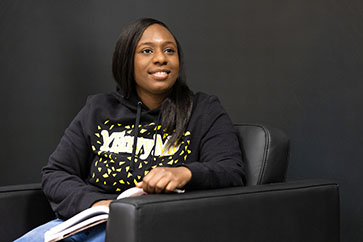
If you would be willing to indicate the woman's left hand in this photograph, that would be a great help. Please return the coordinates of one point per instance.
(165, 179)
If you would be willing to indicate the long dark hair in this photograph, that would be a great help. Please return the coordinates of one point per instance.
(177, 107)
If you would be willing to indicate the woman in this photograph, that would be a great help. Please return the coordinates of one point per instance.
(153, 133)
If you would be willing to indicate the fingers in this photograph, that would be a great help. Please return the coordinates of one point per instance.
(171, 186)
(139, 184)
(165, 179)
(161, 185)
(157, 180)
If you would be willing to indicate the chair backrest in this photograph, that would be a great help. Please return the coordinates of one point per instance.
(265, 152)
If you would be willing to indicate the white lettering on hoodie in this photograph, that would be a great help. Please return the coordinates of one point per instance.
(119, 142)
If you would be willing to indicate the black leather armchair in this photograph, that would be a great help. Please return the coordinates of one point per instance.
(267, 209)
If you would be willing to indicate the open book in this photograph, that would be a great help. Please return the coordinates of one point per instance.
(88, 218)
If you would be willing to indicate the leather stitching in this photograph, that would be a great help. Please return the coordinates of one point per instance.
(266, 152)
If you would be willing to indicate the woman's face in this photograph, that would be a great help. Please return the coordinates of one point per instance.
(156, 62)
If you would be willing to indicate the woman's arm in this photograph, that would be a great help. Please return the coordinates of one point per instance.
(64, 178)
(220, 160)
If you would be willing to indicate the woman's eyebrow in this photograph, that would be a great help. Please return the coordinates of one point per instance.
(152, 43)
(146, 43)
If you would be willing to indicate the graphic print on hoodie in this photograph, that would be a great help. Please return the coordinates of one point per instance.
(119, 164)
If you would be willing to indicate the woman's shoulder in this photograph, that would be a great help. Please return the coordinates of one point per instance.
(206, 106)
(100, 104)
(207, 109)
(204, 99)
(202, 96)
(102, 100)
(103, 97)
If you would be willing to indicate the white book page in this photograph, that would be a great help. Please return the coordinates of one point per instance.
(131, 192)
(50, 236)
(90, 212)
(135, 191)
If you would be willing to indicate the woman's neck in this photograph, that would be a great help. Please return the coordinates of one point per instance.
(151, 101)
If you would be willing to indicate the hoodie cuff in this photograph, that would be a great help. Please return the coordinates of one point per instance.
(196, 182)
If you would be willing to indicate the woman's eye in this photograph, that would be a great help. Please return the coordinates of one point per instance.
(169, 50)
(146, 51)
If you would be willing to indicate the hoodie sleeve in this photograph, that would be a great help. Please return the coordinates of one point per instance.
(64, 178)
(220, 160)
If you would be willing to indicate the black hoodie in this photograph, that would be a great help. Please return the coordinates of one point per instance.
(99, 155)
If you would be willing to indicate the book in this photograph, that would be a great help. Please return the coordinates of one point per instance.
(88, 218)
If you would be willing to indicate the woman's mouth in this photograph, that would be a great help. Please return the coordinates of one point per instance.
(160, 74)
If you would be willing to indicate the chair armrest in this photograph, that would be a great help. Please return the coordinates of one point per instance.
(22, 207)
(284, 212)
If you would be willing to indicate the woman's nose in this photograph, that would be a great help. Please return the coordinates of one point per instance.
(159, 58)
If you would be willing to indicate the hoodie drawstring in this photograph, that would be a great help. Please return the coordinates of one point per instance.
(136, 134)
(151, 157)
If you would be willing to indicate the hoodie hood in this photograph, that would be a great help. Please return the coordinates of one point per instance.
(133, 101)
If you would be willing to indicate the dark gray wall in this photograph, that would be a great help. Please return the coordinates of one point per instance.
(296, 65)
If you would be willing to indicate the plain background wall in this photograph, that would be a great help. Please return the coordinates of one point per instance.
(293, 64)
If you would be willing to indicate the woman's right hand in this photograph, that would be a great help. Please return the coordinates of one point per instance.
(102, 203)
